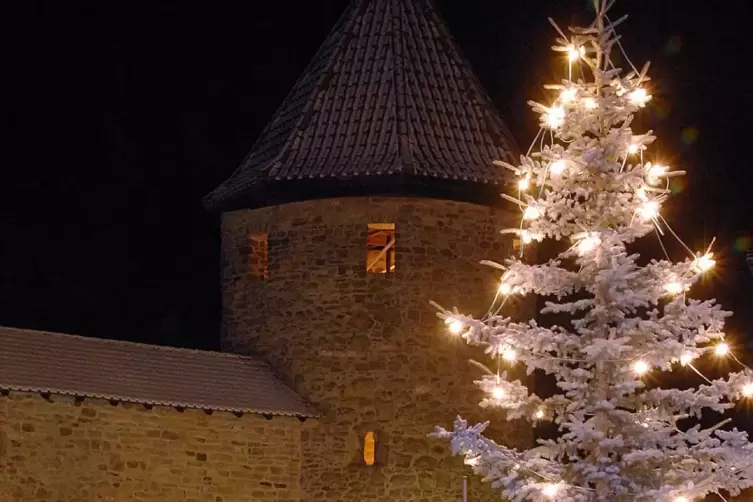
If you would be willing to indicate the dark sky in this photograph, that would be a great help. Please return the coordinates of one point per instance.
(118, 116)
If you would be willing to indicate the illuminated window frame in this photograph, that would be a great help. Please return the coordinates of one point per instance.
(380, 248)
(258, 256)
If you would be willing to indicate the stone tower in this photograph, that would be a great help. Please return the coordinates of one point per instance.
(371, 192)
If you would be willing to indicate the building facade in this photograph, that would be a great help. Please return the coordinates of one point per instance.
(371, 192)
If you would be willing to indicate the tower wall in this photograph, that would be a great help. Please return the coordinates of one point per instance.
(367, 349)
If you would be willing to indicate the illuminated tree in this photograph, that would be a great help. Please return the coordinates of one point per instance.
(621, 436)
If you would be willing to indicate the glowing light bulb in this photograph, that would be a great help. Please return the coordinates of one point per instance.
(674, 287)
(704, 263)
(681, 498)
(588, 243)
(505, 289)
(471, 461)
(590, 103)
(526, 237)
(550, 490)
(639, 97)
(524, 183)
(498, 393)
(555, 117)
(531, 213)
(748, 390)
(640, 368)
(456, 326)
(649, 210)
(539, 414)
(575, 53)
(509, 355)
(722, 349)
(633, 149)
(655, 173)
(685, 359)
(557, 167)
(568, 95)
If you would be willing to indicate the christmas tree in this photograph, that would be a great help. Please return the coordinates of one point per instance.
(621, 436)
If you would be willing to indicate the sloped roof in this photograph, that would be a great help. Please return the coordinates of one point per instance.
(36, 361)
(387, 95)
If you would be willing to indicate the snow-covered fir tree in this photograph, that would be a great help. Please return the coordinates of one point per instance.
(622, 437)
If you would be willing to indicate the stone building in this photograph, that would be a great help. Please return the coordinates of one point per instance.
(371, 192)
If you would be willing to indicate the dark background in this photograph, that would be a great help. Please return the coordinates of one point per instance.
(117, 117)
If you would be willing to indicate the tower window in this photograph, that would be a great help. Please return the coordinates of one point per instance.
(258, 251)
(369, 448)
(380, 248)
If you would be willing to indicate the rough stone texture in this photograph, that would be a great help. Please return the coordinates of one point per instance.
(63, 451)
(368, 349)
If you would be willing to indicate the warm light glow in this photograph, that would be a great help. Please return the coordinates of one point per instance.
(633, 149)
(498, 393)
(471, 461)
(551, 490)
(555, 117)
(640, 368)
(524, 183)
(531, 213)
(681, 498)
(509, 354)
(590, 103)
(505, 289)
(526, 237)
(655, 173)
(704, 263)
(685, 359)
(588, 243)
(639, 97)
(539, 414)
(649, 210)
(722, 349)
(456, 326)
(568, 95)
(557, 167)
(674, 288)
(575, 53)
(748, 390)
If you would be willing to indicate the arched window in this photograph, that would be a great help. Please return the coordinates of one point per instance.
(369, 448)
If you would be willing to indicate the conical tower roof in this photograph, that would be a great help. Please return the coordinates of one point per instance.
(388, 106)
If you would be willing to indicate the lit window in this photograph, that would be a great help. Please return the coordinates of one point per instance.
(369, 448)
(380, 248)
(258, 249)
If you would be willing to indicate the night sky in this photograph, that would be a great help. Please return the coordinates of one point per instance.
(117, 117)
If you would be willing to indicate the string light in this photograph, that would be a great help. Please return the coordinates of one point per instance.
(590, 103)
(456, 326)
(555, 117)
(649, 210)
(557, 167)
(748, 390)
(551, 490)
(505, 289)
(539, 414)
(681, 498)
(524, 183)
(575, 53)
(588, 243)
(674, 288)
(640, 367)
(531, 213)
(568, 95)
(509, 354)
(655, 173)
(639, 97)
(685, 359)
(472, 461)
(526, 237)
(721, 349)
(633, 149)
(498, 393)
(704, 263)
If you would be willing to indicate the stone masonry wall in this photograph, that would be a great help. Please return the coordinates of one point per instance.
(63, 451)
(368, 349)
